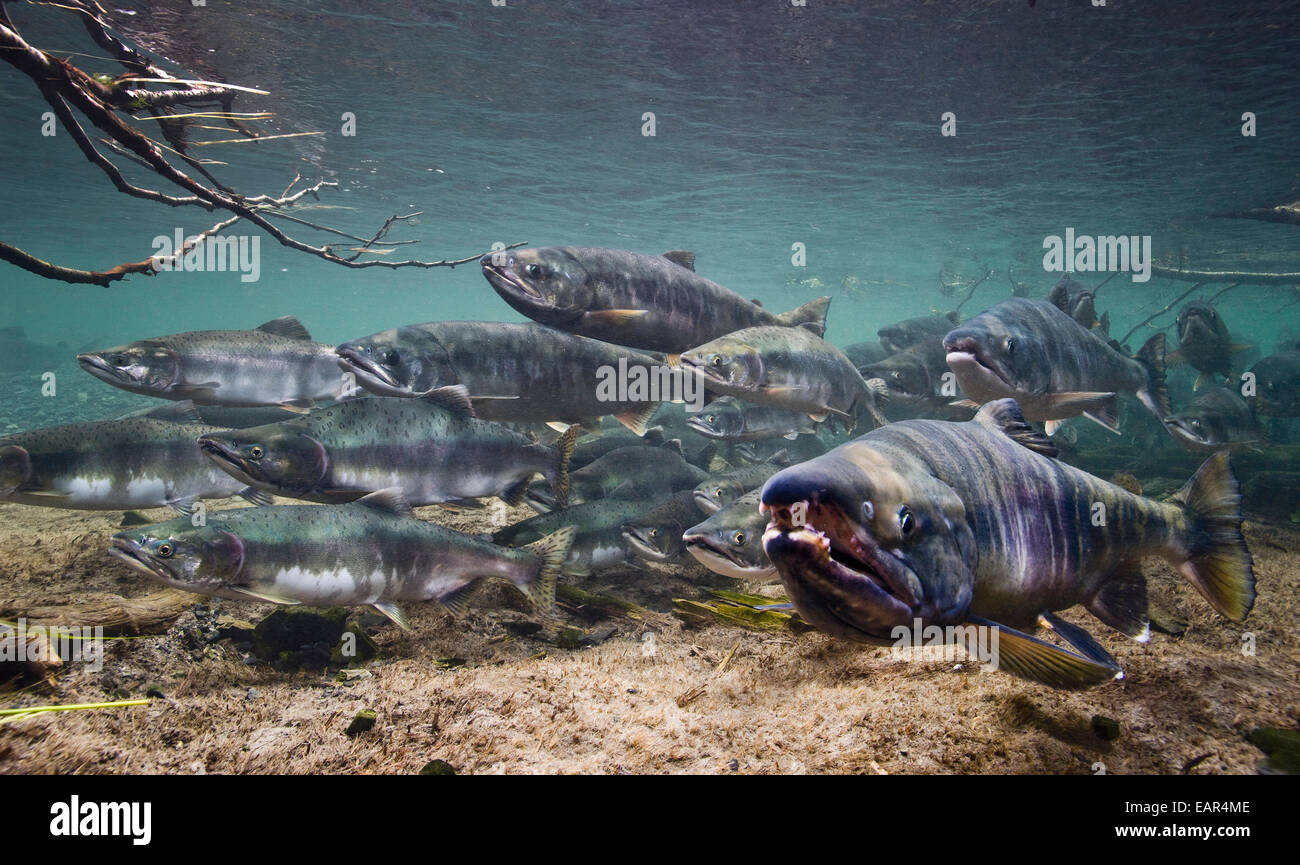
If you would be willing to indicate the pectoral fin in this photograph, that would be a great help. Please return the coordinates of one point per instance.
(613, 317)
(394, 613)
(1039, 661)
(204, 391)
(1105, 418)
(636, 419)
(298, 406)
(266, 596)
(252, 495)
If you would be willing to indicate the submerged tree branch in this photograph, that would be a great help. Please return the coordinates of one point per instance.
(1209, 276)
(108, 103)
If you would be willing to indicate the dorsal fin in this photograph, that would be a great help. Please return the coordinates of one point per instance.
(1004, 416)
(758, 303)
(453, 397)
(390, 501)
(674, 445)
(287, 326)
(681, 257)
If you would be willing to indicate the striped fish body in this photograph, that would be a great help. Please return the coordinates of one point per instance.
(1034, 521)
(954, 523)
(122, 464)
(652, 302)
(372, 551)
(514, 372)
(784, 367)
(734, 420)
(1217, 419)
(598, 542)
(1055, 369)
(430, 449)
(276, 364)
(632, 472)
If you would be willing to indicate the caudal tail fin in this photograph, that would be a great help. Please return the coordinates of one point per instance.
(1218, 562)
(812, 316)
(1155, 396)
(560, 480)
(551, 551)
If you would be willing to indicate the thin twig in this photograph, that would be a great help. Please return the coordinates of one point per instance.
(1160, 311)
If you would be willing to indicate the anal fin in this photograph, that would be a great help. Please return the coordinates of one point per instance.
(458, 599)
(1122, 602)
(1079, 638)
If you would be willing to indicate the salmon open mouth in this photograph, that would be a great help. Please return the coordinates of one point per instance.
(504, 280)
(966, 358)
(102, 369)
(355, 360)
(849, 556)
(227, 459)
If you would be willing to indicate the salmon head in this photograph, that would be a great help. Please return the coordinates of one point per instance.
(866, 541)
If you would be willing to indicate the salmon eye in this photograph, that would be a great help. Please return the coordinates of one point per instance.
(256, 452)
(717, 360)
(165, 551)
(906, 521)
(654, 533)
(739, 538)
(118, 360)
(389, 356)
(711, 418)
(1010, 346)
(534, 271)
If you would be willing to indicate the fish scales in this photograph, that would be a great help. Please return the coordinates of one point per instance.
(432, 452)
(657, 303)
(275, 364)
(976, 523)
(1039, 531)
(514, 371)
(133, 462)
(372, 551)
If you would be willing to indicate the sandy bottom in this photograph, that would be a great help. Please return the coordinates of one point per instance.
(647, 699)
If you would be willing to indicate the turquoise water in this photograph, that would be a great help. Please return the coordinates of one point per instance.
(775, 125)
